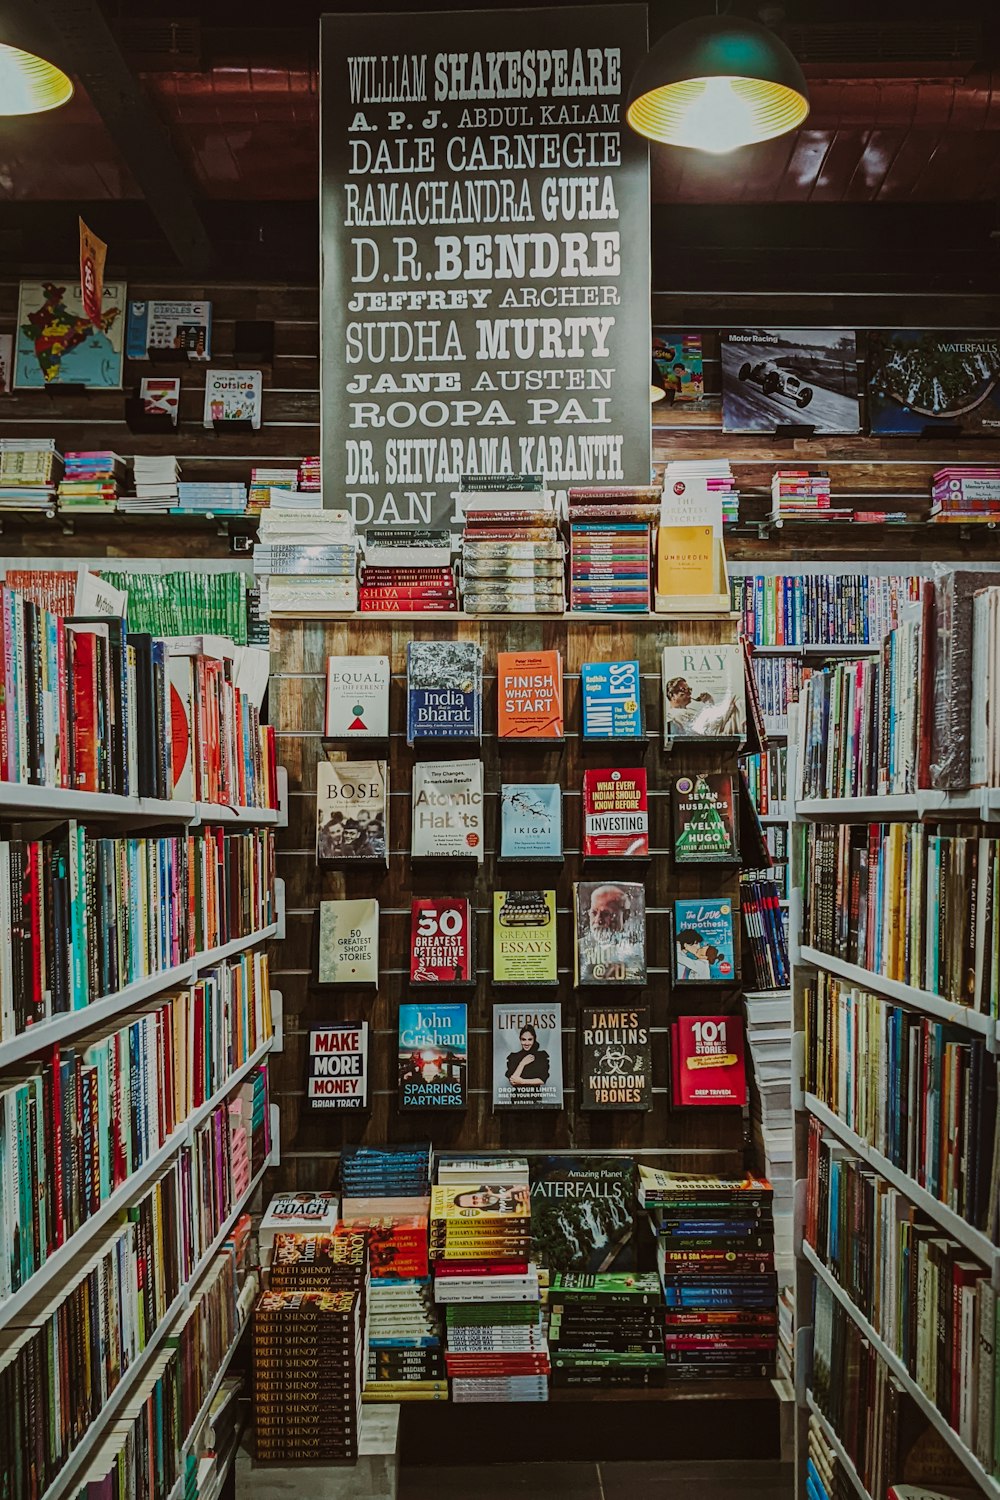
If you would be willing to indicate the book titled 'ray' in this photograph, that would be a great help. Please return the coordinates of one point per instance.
(433, 1056)
(703, 951)
(441, 940)
(704, 819)
(704, 692)
(524, 937)
(531, 820)
(612, 700)
(357, 697)
(615, 813)
(610, 943)
(444, 691)
(615, 1057)
(529, 695)
(338, 1066)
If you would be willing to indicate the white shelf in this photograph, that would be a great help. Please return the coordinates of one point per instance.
(243, 817)
(773, 819)
(977, 1243)
(965, 1455)
(846, 1462)
(25, 800)
(924, 1001)
(812, 648)
(979, 802)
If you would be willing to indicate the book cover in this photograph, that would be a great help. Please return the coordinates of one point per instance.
(612, 700)
(448, 810)
(529, 695)
(703, 815)
(707, 1061)
(433, 1056)
(444, 690)
(6, 363)
(704, 692)
(777, 376)
(686, 561)
(677, 359)
(615, 1057)
(297, 1213)
(615, 813)
(703, 947)
(169, 325)
(582, 1213)
(524, 937)
(57, 344)
(357, 697)
(160, 397)
(348, 942)
(232, 396)
(610, 921)
(924, 378)
(337, 1066)
(442, 932)
(527, 1057)
(531, 820)
(352, 811)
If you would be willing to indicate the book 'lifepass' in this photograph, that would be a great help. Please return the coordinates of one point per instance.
(444, 691)
(527, 1057)
(610, 922)
(529, 695)
(704, 692)
(703, 948)
(448, 810)
(612, 700)
(442, 933)
(703, 810)
(348, 942)
(337, 1073)
(531, 820)
(615, 813)
(582, 1213)
(707, 1061)
(352, 812)
(524, 937)
(433, 1056)
(615, 1057)
(357, 697)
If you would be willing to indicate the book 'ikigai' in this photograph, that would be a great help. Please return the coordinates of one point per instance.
(352, 812)
(433, 1056)
(444, 691)
(529, 695)
(610, 921)
(357, 697)
(348, 942)
(337, 1076)
(531, 820)
(448, 810)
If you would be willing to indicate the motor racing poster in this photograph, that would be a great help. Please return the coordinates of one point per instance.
(774, 377)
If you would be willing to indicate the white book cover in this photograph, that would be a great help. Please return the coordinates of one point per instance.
(357, 697)
(232, 396)
(297, 1213)
(348, 942)
(352, 811)
(704, 691)
(448, 810)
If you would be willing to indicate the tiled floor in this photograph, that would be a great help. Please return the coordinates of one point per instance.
(604, 1481)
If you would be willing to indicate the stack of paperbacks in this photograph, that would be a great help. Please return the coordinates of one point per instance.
(211, 497)
(155, 477)
(309, 1349)
(407, 571)
(29, 471)
(513, 557)
(966, 492)
(306, 559)
(486, 1281)
(405, 1362)
(715, 1257)
(606, 1329)
(804, 495)
(610, 533)
(264, 480)
(90, 481)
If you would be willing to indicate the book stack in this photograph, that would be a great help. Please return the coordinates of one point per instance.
(715, 1258)
(769, 1034)
(387, 1180)
(264, 480)
(766, 936)
(609, 548)
(803, 495)
(513, 558)
(210, 497)
(90, 481)
(308, 1374)
(965, 492)
(309, 478)
(606, 1329)
(155, 478)
(29, 472)
(406, 571)
(405, 1360)
(296, 1213)
(169, 604)
(821, 609)
(306, 560)
(714, 476)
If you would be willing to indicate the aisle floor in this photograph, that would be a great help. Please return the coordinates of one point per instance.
(602, 1481)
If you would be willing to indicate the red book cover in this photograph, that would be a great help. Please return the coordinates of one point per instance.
(408, 591)
(521, 519)
(473, 1268)
(615, 813)
(441, 934)
(84, 677)
(404, 606)
(707, 1061)
(402, 575)
(529, 695)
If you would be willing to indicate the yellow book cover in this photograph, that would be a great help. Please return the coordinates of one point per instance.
(686, 561)
(524, 937)
(487, 1204)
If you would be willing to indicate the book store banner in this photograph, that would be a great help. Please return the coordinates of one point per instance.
(485, 238)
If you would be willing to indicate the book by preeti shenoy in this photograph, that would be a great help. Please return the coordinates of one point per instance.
(527, 1056)
(615, 1057)
(529, 695)
(531, 820)
(610, 926)
(612, 700)
(703, 950)
(348, 942)
(433, 1056)
(582, 1211)
(337, 1066)
(357, 697)
(442, 932)
(707, 1064)
(615, 813)
(703, 810)
(444, 691)
(447, 812)
(704, 691)
(352, 812)
(524, 937)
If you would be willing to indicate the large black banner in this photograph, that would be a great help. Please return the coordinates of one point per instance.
(485, 229)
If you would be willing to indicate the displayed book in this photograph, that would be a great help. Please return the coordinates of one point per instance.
(160, 397)
(158, 325)
(524, 937)
(444, 691)
(926, 378)
(789, 376)
(677, 360)
(582, 1213)
(433, 1056)
(352, 812)
(56, 342)
(707, 1065)
(529, 695)
(527, 1057)
(357, 697)
(337, 1067)
(687, 565)
(448, 810)
(233, 396)
(442, 940)
(610, 930)
(615, 1057)
(348, 942)
(615, 814)
(704, 692)
(297, 1213)
(703, 819)
(531, 820)
(611, 692)
(703, 942)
